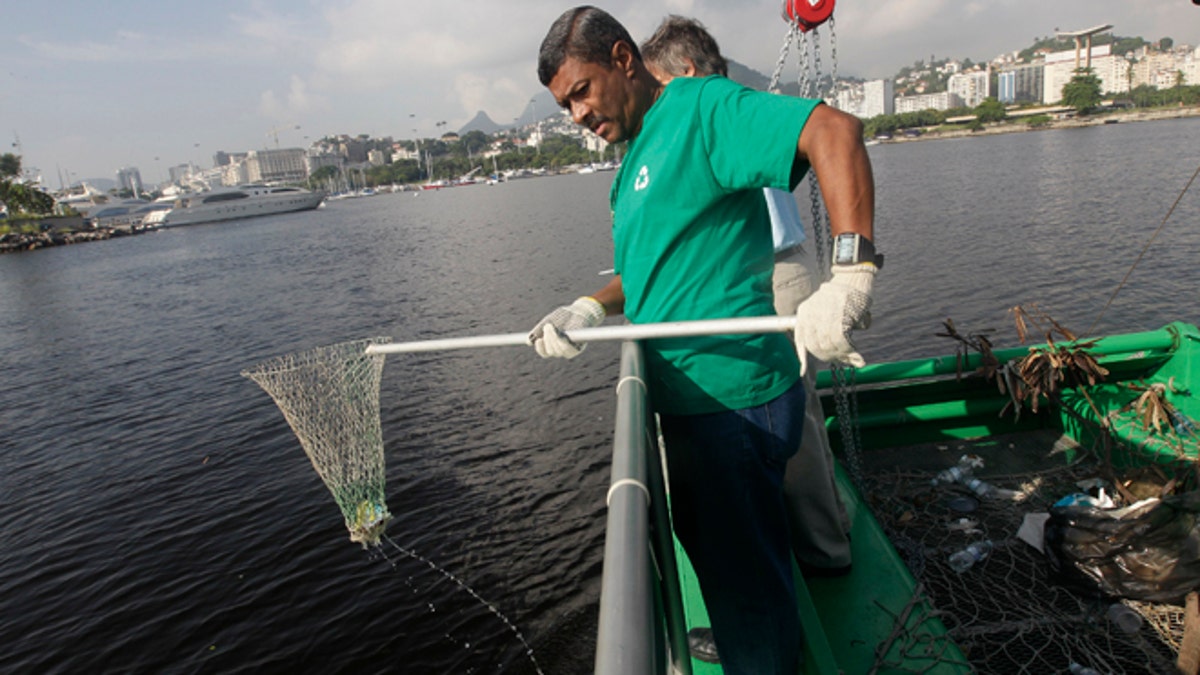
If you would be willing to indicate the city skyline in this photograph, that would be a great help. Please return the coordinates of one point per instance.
(127, 84)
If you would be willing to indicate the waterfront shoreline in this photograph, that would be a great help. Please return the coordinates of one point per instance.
(1010, 126)
(16, 242)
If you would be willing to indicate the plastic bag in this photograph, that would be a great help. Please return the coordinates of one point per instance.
(1148, 551)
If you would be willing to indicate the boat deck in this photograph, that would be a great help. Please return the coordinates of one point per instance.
(1007, 614)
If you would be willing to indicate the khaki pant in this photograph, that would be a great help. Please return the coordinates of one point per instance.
(817, 517)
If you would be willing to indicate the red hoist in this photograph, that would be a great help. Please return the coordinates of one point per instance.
(808, 14)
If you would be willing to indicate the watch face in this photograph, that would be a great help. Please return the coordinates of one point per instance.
(844, 248)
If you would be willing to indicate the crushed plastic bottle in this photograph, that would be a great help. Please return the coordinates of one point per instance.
(980, 487)
(961, 561)
(1183, 425)
(960, 472)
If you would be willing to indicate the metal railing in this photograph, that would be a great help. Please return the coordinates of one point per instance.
(641, 614)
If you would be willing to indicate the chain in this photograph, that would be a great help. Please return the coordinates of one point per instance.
(845, 395)
(833, 56)
(820, 227)
(844, 378)
(783, 54)
(816, 60)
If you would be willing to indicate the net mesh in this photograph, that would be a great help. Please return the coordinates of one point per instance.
(1007, 613)
(330, 398)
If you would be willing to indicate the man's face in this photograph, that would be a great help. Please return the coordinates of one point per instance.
(599, 98)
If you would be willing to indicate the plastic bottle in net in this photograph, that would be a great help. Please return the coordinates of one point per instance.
(961, 561)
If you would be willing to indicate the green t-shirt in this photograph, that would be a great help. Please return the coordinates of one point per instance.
(692, 238)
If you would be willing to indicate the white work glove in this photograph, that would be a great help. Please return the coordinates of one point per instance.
(547, 336)
(825, 319)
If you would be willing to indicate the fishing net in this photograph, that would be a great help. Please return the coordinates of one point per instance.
(330, 398)
(1009, 613)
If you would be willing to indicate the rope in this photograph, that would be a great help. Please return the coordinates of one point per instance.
(1143, 251)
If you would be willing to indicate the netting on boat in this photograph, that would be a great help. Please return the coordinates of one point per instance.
(1007, 613)
(330, 398)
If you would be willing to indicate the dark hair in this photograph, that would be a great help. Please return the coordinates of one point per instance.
(585, 33)
(679, 40)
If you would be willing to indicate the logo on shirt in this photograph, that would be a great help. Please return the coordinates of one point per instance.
(643, 179)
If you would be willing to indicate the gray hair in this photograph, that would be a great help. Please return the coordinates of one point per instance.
(679, 41)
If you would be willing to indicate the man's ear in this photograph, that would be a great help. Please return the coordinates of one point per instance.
(690, 69)
(623, 58)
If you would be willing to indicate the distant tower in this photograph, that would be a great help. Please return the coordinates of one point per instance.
(1088, 33)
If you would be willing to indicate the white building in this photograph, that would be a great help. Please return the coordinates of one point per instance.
(940, 101)
(971, 87)
(849, 99)
(1111, 70)
(129, 178)
(1161, 69)
(276, 166)
(879, 98)
(866, 100)
(593, 143)
(234, 173)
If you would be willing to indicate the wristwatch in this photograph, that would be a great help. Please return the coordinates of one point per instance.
(852, 249)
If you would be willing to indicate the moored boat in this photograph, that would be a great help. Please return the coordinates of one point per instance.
(243, 201)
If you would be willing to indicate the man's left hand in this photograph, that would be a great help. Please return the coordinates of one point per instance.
(825, 319)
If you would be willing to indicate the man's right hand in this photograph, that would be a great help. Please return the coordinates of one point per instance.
(547, 336)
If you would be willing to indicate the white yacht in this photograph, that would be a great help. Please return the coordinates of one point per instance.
(242, 201)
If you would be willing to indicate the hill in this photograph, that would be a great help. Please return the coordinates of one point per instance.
(481, 122)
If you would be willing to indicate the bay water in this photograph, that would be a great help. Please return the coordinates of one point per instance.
(157, 515)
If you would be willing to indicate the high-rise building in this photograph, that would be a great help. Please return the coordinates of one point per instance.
(879, 98)
(1021, 83)
(943, 100)
(276, 166)
(971, 86)
(129, 178)
(865, 99)
(1112, 71)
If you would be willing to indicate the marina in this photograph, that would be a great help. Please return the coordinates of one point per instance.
(163, 517)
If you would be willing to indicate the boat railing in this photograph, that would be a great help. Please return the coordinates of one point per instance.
(1131, 349)
(641, 627)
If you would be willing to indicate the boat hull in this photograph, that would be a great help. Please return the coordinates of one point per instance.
(910, 413)
(264, 205)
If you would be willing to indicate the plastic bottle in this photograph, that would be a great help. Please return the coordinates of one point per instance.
(1080, 669)
(961, 561)
(1124, 617)
(980, 487)
(959, 472)
(1183, 425)
(952, 475)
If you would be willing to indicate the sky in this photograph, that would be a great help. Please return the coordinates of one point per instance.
(89, 87)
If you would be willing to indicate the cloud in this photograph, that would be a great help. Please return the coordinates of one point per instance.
(295, 104)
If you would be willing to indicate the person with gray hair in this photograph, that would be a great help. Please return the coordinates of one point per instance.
(682, 47)
(692, 241)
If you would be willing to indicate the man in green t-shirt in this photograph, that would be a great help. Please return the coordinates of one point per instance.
(692, 240)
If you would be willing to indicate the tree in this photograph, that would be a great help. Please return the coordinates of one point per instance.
(17, 195)
(990, 110)
(1083, 92)
(10, 165)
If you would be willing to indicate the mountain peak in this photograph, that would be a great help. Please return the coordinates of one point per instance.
(481, 122)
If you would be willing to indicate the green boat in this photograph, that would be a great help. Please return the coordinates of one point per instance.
(910, 420)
